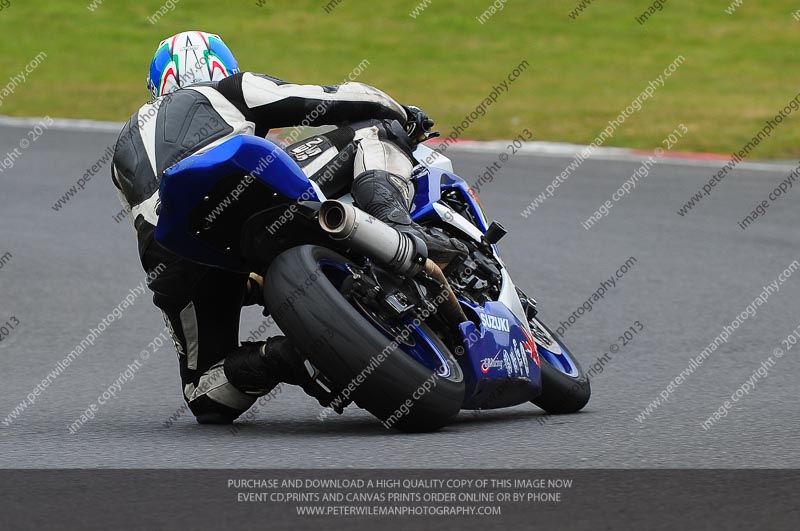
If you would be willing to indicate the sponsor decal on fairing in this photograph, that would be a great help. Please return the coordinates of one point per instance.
(494, 322)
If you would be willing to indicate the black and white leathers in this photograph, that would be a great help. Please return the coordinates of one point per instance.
(201, 305)
(197, 118)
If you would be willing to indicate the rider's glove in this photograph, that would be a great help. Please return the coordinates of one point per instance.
(418, 124)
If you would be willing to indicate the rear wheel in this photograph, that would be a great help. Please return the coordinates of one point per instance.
(565, 387)
(401, 372)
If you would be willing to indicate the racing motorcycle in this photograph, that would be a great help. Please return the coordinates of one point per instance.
(379, 324)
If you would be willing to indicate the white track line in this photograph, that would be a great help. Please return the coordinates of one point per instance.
(562, 150)
(541, 149)
(65, 124)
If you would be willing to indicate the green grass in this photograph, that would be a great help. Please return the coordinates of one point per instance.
(740, 69)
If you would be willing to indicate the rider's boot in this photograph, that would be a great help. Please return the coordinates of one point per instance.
(257, 368)
(387, 197)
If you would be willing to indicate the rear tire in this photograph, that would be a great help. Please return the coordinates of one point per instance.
(343, 345)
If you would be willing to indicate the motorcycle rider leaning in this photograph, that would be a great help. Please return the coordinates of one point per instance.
(200, 100)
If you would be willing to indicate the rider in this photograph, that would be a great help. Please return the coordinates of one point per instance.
(200, 100)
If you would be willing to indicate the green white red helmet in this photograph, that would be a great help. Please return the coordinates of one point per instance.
(187, 58)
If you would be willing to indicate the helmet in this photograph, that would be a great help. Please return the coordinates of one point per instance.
(189, 57)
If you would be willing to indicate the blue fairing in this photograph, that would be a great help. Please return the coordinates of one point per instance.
(429, 191)
(500, 362)
(431, 182)
(185, 185)
(497, 352)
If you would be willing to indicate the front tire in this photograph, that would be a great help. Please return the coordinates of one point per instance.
(565, 387)
(349, 350)
(562, 393)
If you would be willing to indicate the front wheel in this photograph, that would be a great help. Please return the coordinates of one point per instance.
(413, 384)
(565, 387)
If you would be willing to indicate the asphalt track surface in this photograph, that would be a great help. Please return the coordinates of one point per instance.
(692, 276)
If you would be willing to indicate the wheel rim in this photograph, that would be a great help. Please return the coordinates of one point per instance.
(415, 342)
(551, 350)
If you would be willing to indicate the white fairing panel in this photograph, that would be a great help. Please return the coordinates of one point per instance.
(450, 216)
(432, 159)
(509, 297)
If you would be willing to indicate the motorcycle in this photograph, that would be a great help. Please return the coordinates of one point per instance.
(379, 324)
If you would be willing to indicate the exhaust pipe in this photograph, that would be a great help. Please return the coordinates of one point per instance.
(373, 238)
(399, 252)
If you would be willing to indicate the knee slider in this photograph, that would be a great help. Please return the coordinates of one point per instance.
(206, 411)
